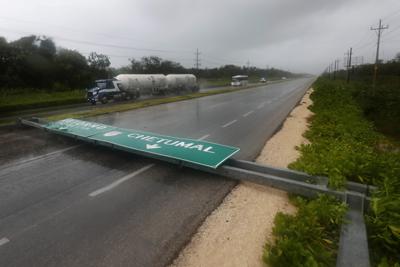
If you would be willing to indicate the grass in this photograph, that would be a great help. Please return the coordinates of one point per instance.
(27, 99)
(208, 83)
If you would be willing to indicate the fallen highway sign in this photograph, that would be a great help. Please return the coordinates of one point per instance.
(77, 128)
(182, 149)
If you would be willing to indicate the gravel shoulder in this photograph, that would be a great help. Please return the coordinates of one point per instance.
(235, 233)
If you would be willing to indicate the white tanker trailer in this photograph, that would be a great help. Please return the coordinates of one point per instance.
(144, 83)
(129, 86)
(180, 82)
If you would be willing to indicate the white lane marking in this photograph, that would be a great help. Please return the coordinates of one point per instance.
(120, 181)
(203, 137)
(4, 241)
(248, 113)
(229, 123)
(261, 105)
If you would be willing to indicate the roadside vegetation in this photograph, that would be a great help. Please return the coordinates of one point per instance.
(12, 100)
(208, 83)
(354, 136)
(309, 238)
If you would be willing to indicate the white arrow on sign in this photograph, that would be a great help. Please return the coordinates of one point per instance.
(152, 146)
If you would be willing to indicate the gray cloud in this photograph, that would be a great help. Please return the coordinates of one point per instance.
(301, 36)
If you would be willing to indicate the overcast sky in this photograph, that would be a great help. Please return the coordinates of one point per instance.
(295, 35)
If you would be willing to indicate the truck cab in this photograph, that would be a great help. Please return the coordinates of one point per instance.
(105, 90)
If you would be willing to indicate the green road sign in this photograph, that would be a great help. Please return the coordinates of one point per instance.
(182, 149)
(77, 128)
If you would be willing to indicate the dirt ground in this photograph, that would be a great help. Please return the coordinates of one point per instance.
(235, 233)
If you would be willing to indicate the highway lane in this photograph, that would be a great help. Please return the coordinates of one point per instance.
(64, 203)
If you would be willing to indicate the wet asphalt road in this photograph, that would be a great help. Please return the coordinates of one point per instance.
(50, 215)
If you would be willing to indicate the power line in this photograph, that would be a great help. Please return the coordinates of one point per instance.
(224, 60)
(107, 35)
(97, 44)
(392, 14)
(365, 45)
(115, 46)
(366, 37)
(392, 31)
(215, 60)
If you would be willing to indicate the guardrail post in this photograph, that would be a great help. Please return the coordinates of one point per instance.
(353, 244)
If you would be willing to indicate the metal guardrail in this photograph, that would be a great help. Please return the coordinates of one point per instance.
(353, 245)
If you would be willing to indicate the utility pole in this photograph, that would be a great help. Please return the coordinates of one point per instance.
(329, 71)
(349, 64)
(379, 30)
(335, 69)
(197, 59)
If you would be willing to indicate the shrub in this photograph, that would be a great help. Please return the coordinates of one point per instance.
(309, 238)
(345, 146)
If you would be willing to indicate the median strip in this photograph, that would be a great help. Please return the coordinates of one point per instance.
(141, 104)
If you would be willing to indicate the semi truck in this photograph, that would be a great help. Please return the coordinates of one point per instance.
(132, 86)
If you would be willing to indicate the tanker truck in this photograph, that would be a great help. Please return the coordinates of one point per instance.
(131, 86)
(126, 87)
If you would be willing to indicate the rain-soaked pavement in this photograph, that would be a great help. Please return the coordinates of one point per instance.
(50, 216)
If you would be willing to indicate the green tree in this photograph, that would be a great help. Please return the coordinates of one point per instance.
(72, 69)
(135, 67)
(98, 61)
(154, 64)
(47, 47)
(397, 57)
(99, 65)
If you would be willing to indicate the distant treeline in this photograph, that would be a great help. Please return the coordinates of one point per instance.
(36, 62)
(365, 72)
